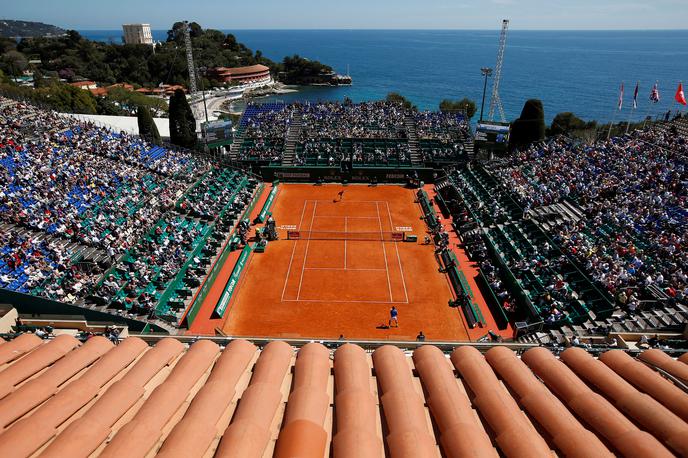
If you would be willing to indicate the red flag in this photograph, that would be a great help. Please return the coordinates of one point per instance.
(680, 96)
(621, 97)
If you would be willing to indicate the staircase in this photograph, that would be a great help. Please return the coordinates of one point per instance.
(552, 215)
(416, 158)
(293, 136)
(235, 149)
(468, 146)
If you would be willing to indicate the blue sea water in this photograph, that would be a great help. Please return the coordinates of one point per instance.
(578, 71)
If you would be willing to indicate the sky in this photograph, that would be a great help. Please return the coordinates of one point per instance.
(355, 14)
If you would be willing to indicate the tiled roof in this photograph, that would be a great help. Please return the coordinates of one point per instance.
(238, 71)
(61, 398)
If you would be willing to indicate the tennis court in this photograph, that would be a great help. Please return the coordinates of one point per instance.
(339, 266)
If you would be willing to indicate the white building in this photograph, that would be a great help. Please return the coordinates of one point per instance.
(137, 34)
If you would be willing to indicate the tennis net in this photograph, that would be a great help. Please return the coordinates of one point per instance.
(342, 235)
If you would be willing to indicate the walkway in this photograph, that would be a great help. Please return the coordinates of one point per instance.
(471, 271)
(205, 323)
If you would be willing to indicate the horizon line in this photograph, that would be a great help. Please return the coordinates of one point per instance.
(407, 29)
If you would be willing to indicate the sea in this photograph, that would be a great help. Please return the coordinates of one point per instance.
(577, 71)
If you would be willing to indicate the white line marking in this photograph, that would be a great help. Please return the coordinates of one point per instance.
(384, 253)
(345, 302)
(286, 279)
(353, 217)
(351, 201)
(346, 221)
(305, 256)
(347, 269)
(396, 246)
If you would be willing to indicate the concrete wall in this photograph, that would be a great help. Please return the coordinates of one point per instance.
(128, 124)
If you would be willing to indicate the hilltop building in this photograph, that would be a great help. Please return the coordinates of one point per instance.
(137, 34)
(242, 75)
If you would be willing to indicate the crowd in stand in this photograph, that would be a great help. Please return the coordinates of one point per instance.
(213, 193)
(442, 151)
(157, 258)
(332, 120)
(69, 187)
(399, 152)
(265, 129)
(33, 263)
(633, 191)
(373, 133)
(446, 126)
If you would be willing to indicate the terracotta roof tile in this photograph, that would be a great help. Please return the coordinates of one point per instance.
(684, 358)
(65, 399)
(648, 381)
(566, 433)
(620, 431)
(661, 360)
(17, 347)
(34, 362)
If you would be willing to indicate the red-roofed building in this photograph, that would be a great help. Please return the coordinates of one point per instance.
(250, 74)
(86, 85)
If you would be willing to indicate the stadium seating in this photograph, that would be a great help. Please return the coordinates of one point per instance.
(371, 134)
(91, 215)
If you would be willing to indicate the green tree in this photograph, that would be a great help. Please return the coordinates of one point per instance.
(529, 127)
(182, 122)
(467, 105)
(565, 123)
(395, 97)
(14, 62)
(147, 128)
(131, 100)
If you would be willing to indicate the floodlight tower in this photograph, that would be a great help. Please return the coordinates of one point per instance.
(496, 101)
(189, 60)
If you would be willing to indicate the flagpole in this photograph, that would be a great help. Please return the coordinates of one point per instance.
(647, 113)
(634, 106)
(629, 120)
(618, 108)
(609, 133)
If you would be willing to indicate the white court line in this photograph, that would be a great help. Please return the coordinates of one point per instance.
(338, 216)
(384, 252)
(346, 222)
(305, 256)
(344, 302)
(347, 269)
(349, 201)
(286, 279)
(396, 246)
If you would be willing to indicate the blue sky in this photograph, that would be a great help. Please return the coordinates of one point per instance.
(356, 14)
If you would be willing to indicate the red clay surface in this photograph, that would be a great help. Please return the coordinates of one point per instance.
(205, 323)
(471, 271)
(325, 288)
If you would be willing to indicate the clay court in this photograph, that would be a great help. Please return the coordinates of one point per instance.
(303, 286)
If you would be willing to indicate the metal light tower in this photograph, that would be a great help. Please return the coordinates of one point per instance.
(189, 60)
(496, 101)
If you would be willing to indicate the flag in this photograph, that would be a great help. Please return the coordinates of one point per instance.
(654, 95)
(621, 97)
(635, 96)
(680, 96)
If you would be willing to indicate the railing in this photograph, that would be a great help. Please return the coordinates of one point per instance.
(368, 345)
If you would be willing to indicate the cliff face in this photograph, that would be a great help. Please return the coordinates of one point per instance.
(10, 28)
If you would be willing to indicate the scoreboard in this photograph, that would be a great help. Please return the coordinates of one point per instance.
(492, 136)
(217, 130)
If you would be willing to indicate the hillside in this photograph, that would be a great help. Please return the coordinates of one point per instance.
(73, 57)
(11, 28)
